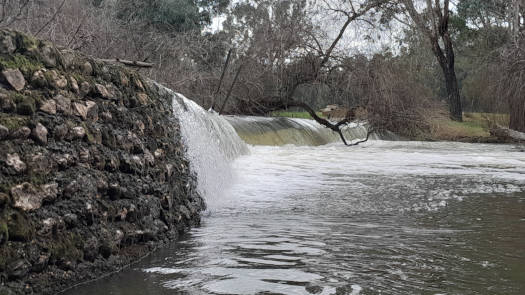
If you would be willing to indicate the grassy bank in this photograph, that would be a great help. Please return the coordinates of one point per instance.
(475, 127)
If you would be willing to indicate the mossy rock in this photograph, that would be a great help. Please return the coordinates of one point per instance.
(13, 121)
(20, 227)
(18, 61)
(66, 248)
(26, 106)
(26, 43)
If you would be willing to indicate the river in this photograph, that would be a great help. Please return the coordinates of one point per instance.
(383, 217)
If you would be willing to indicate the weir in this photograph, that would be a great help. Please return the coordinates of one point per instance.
(214, 141)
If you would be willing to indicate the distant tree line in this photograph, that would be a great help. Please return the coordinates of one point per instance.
(257, 56)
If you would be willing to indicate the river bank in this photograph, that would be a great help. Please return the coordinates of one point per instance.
(94, 174)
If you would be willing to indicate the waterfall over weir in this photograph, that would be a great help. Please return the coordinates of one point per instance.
(214, 141)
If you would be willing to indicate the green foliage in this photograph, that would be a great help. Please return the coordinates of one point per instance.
(178, 15)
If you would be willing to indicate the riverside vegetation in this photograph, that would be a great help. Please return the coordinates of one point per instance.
(93, 173)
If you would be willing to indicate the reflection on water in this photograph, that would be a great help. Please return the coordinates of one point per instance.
(382, 218)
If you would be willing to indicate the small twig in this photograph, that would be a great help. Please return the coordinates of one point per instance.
(52, 18)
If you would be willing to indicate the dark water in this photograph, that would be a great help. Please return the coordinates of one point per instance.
(383, 218)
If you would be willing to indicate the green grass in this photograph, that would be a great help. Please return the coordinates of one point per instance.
(302, 115)
(474, 125)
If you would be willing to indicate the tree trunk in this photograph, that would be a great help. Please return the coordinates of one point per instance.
(454, 99)
(517, 113)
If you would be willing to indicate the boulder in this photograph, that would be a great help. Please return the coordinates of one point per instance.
(26, 197)
(63, 104)
(13, 161)
(103, 91)
(15, 78)
(57, 80)
(87, 68)
(39, 134)
(49, 107)
(21, 133)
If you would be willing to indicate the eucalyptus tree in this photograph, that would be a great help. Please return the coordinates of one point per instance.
(433, 19)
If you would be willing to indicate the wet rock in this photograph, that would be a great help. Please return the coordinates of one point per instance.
(63, 104)
(313, 289)
(15, 78)
(78, 132)
(4, 132)
(39, 134)
(13, 161)
(21, 133)
(18, 269)
(50, 107)
(7, 45)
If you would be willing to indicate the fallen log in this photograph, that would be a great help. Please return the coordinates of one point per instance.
(507, 134)
(132, 63)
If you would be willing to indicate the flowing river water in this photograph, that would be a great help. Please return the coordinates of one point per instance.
(317, 217)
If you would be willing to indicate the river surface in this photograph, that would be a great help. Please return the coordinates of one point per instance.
(379, 218)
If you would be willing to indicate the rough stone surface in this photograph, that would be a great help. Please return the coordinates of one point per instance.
(15, 78)
(39, 133)
(13, 161)
(49, 107)
(26, 197)
(90, 182)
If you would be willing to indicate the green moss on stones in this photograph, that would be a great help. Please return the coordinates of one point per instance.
(26, 43)
(12, 121)
(66, 248)
(19, 61)
(20, 228)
